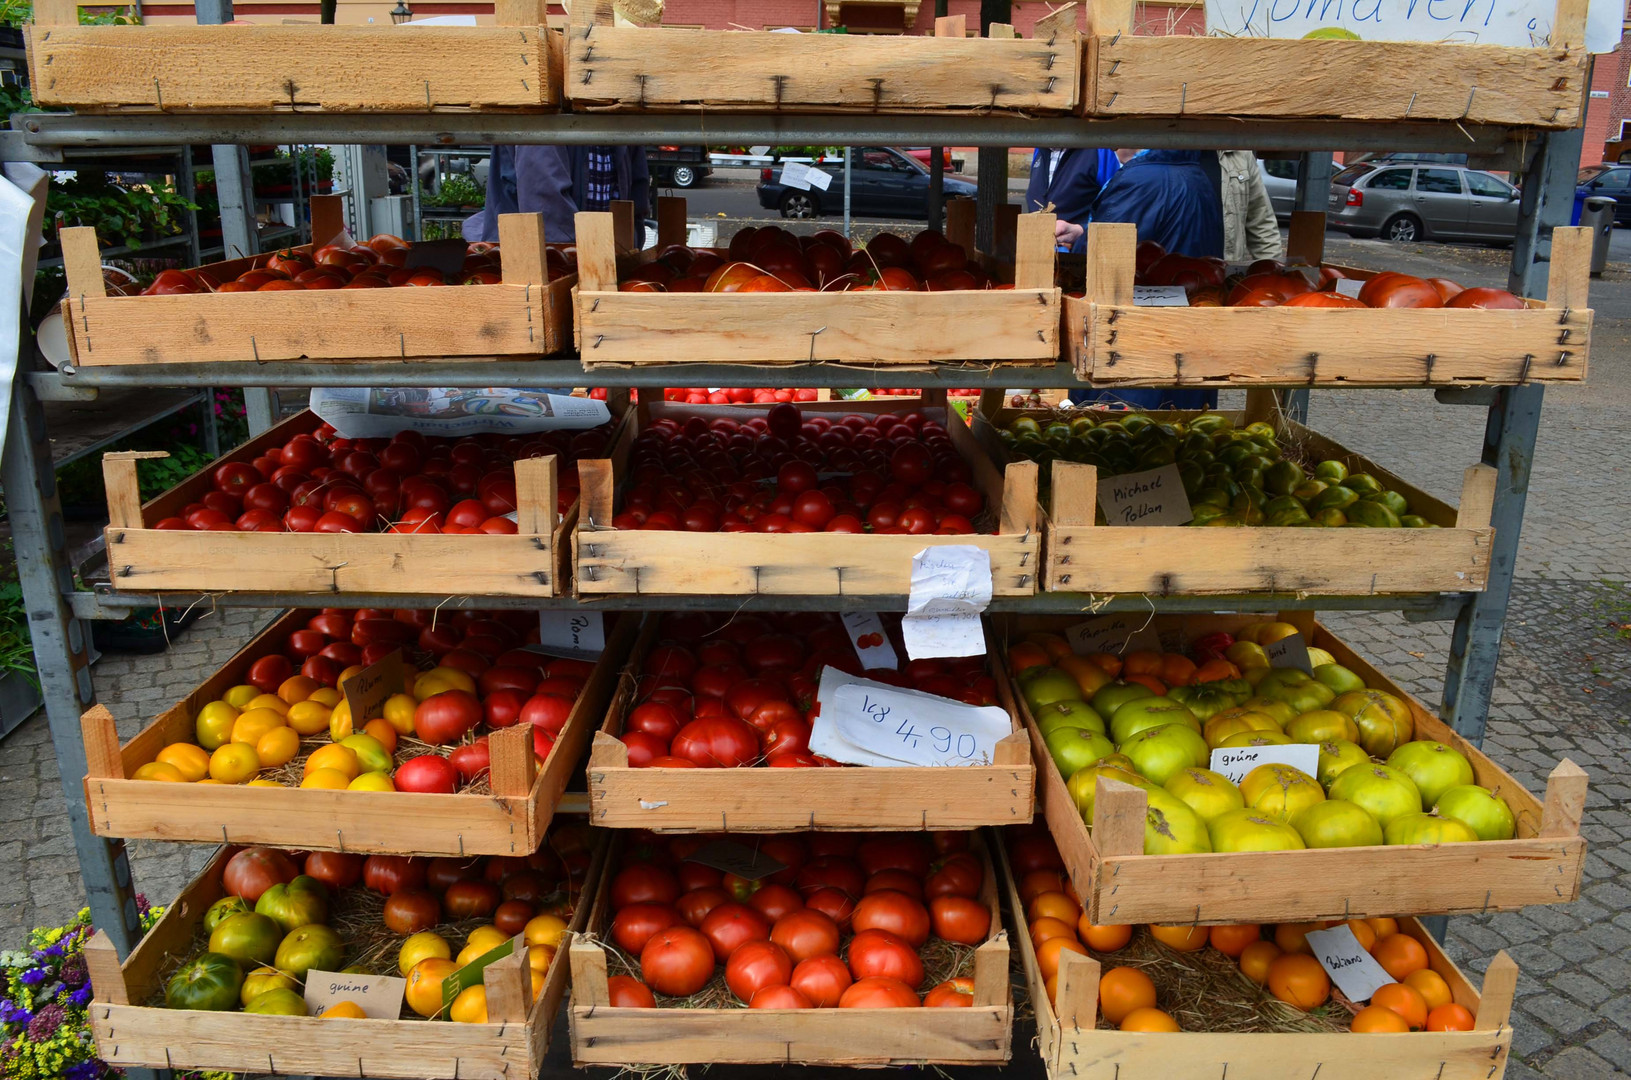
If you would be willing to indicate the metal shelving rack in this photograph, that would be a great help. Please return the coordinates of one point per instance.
(1547, 161)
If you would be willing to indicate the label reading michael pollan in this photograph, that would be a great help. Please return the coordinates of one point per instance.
(1154, 497)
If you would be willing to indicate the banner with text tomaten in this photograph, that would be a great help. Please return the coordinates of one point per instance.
(1520, 23)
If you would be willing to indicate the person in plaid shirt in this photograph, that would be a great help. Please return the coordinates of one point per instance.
(559, 181)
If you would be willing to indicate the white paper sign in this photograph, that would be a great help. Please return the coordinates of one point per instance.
(818, 178)
(872, 645)
(1347, 286)
(796, 174)
(1151, 497)
(1289, 652)
(1355, 971)
(378, 996)
(572, 633)
(1160, 296)
(361, 412)
(903, 727)
(1128, 632)
(1236, 761)
(1468, 22)
(951, 586)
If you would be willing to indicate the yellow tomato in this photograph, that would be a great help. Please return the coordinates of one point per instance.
(326, 696)
(539, 957)
(193, 762)
(424, 989)
(250, 726)
(343, 1010)
(421, 946)
(308, 717)
(213, 780)
(537, 982)
(278, 747)
(347, 673)
(341, 759)
(259, 783)
(441, 679)
(399, 712)
(372, 781)
(297, 688)
(160, 770)
(240, 695)
(234, 763)
(545, 930)
(470, 1007)
(371, 756)
(333, 779)
(471, 952)
(339, 721)
(490, 937)
(382, 732)
(213, 726)
(268, 701)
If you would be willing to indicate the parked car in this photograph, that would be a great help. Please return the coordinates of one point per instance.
(1609, 182)
(884, 182)
(678, 166)
(1280, 178)
(1406, 202)
(947, 162)
(1434, 159)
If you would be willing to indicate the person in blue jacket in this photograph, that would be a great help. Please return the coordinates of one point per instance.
(1175, 201)
(1068, 181)
(558, 182)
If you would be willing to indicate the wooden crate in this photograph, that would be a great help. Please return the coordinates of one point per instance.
(979, 1034)
(1119, 884)
(528, 315)
(1177, 76)
(1166, 561)
(1114, 343)
(509, 821)
(513, 66)
(533, 562)
(1018, 325)
(130, 1033)
(607, 560)
(758, 800)
(1074, 1047)
(668, 69)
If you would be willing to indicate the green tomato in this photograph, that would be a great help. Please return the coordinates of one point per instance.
(210, 983)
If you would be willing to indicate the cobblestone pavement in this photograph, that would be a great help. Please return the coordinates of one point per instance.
(1564, 686)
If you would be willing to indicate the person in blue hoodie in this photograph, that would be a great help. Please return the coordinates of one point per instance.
(1067, 181)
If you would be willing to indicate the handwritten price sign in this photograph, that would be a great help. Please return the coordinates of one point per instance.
(869, 723)
(572, 633)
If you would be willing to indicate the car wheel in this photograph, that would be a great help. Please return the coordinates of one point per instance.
(798, 204)
(1402, 229)
(683, 176)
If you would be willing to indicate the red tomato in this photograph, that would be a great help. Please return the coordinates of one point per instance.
(695, 905)
(960, 919)
(502, 708)
(677, 961)
(512, 916)
(745, 698)
(833, 903)
(779, 997)
(446, 717)
(408, 911)
(796, 477)
(756, 965)
(336, 869)
(879, 953)
(427, 773)
(822, 979)
(806, 933)
(720, 742)
(627, 992)
(547, 711)
(774, 901)
(959, 875)
(894, 851)
(787, 736)
(693, 875)
(731, 925)
(255, 869)
(636, 924)
(269, 672)
(831, 871)
(643, 747)
(1034, 852)
(898, 880)
(472, 759)
(875, 992)
(471, 900)
(894, 912)
(951, 994)
(387, 874)
(643, 883)
(236, 477)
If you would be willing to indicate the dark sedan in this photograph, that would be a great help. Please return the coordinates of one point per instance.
(884, 182)
(1608, 181)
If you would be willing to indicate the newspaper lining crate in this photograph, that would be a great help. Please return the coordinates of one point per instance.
(509, 821)
(897, 327)
(513, 66)
(759, 800)
(981, 1033)
(1178, 75)
(130, 1033)
(1119, 884)
(533, 562)
(1073, 1047)
(528, 314)
(1114, 343)
(1179, 560)
(670, 69)
(608, 560)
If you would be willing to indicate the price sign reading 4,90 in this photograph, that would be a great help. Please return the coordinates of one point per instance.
(889, 725)
(941, 739)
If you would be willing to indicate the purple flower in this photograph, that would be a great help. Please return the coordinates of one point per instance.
(34, 976)
(81, 997)
(73, 971)
(54, 951)
(85, 1070)
(142, 905)
(12, 1013)
(45, 1022)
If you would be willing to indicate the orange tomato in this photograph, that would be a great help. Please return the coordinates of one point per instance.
(1103, 938)
(1384, 927)
(1178, 670)
(1292, 937)
(1403, 1000)
(1108, 661)
(1037, 882)
(1182, 938)
(1149, 1020)
(1044, 928)
(1298, 979)
(1056, 647)
(1256, 958)
(1047, 957)
(381, 729)
(1155, 685)
(1364, 932)
(1216, 670)
(1123, 989)
(1399, 955)
(1430, 985)
(1378, 1019)
(297, 688)
(1232, 940)
(1054, 905)
(1450, 1017)
(1025, 655)
(1141, 663)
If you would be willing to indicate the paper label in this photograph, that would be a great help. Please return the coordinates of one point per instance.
(1160, 296)
(736, 858)
(872, 645)
(471, 974)
(1236, 761)
(1349, 287)
(819, 178)
(379, 996)
(1152, 497)
(1355, 971)
(444, 255)
(1311, 274)
(367, 691)
(580, 634)
(1488, 22)
(951, 586)
(903, 727)
(1290, 652)
(1128, 632)
(796, 174)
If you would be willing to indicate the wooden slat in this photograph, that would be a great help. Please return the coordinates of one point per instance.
(1110, 18)
(671, 227)
(1118, 818)
(1214, 76)
(521, 12)
(1565, 800)
(536, 496)
(951, 26)
(123, 487)
(1569, 25)
(677, 69)
(514, 765)
(101, 738)
(82, 262)
(508, 983)
(521, 239)
(102, 963)
(327, 219)
(1500, 986)
(1075, 496)
(1307, 236)
(960, 222)
(1568, 277)
(624, 226)
(1033, 252)
(1477, 497)
(288, 67)
(1110, 262)
(597, 253)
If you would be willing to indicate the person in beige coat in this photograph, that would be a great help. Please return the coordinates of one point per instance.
(1250, 231)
